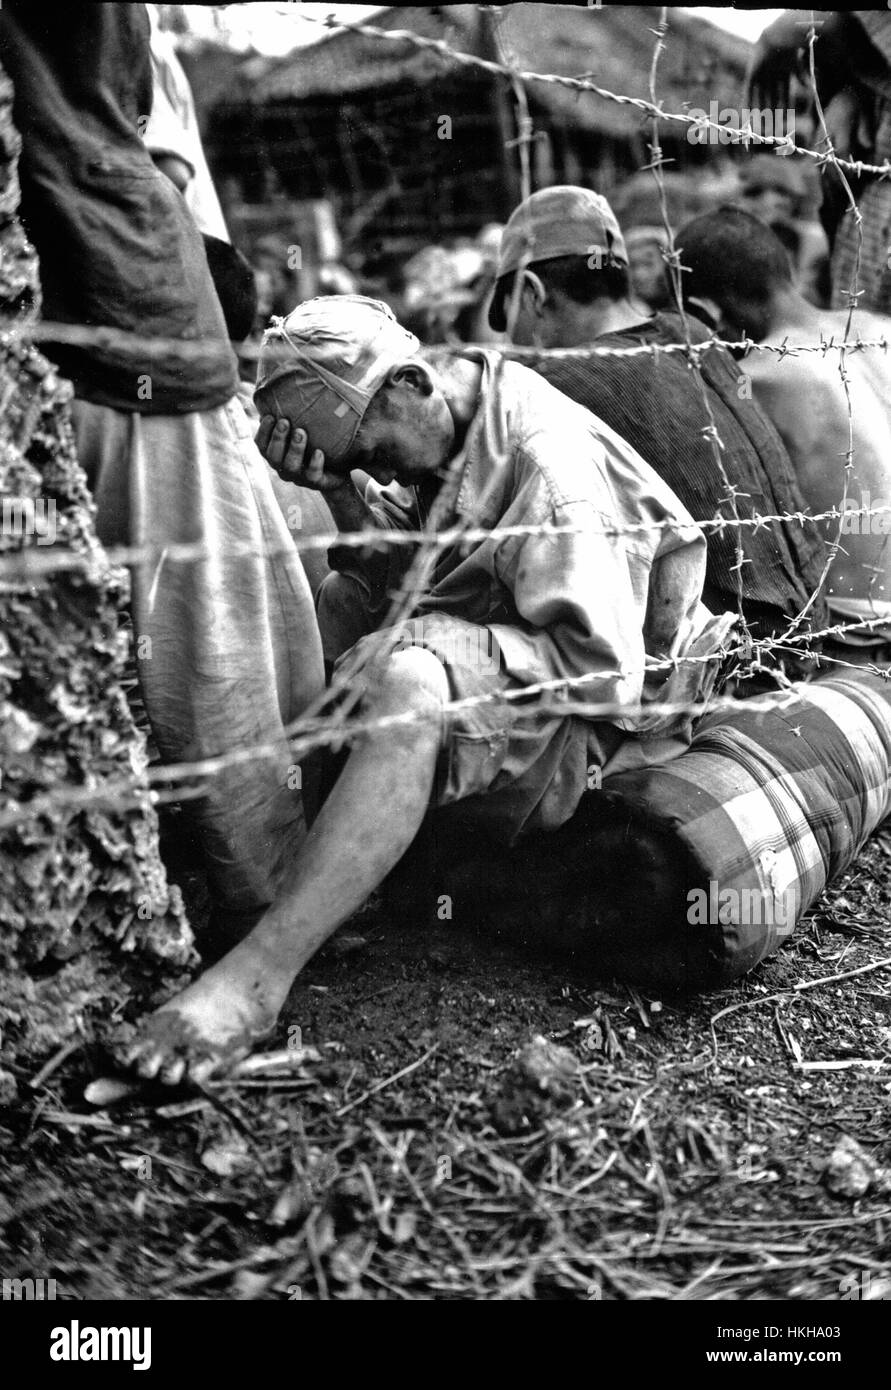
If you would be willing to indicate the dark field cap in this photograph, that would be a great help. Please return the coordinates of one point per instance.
(562, 221)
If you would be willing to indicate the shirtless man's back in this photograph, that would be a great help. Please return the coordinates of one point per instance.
(808, 402)
(740, 275)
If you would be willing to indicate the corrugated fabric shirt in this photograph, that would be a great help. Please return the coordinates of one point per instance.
(656, 403)
(615, 596)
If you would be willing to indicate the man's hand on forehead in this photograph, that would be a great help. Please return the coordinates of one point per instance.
(285, 447)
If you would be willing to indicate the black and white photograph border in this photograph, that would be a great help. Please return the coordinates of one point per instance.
(445, 731)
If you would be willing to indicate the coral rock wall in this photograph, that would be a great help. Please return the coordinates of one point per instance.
(85, 907)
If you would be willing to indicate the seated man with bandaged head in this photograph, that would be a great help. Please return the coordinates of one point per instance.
(563, 631)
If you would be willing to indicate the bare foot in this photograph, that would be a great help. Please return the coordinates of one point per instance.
(213, 1023)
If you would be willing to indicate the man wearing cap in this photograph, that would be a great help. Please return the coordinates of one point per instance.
(586, 581)
(563, 282)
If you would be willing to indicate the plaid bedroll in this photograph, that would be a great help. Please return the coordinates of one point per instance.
(769, 806)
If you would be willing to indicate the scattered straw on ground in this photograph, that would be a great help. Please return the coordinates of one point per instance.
(677, 1155)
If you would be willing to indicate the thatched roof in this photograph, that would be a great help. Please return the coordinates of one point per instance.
(612, 44)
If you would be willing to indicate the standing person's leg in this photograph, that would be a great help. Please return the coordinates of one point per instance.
(227, 646)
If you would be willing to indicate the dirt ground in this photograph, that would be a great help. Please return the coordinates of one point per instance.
(675, 1155)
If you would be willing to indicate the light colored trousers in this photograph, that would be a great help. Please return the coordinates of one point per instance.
(227, 647)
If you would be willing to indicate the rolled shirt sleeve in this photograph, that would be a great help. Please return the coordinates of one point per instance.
(575, 597)
(611, 600)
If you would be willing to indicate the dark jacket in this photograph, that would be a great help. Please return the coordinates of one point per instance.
(656, 404)
(117, 245)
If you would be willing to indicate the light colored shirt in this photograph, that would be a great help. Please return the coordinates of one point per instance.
(586, 602)
(172, 128)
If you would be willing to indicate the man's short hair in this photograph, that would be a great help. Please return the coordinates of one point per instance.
(730, 252)
(572, 276)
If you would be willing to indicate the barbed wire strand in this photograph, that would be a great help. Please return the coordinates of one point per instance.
(674, 269)
(34, 564)
(853, 296)
(104, 337)
(308, 733)
(742, 135)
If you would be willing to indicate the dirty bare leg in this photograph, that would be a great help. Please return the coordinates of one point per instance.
(364, 828)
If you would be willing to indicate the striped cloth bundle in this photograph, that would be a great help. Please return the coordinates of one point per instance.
(765, 808)
(685, 876)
